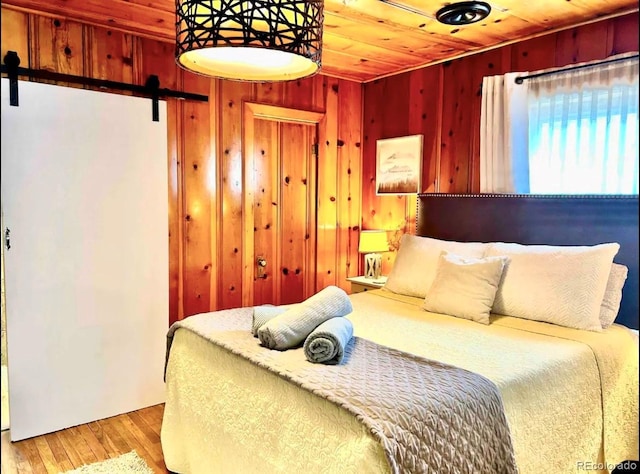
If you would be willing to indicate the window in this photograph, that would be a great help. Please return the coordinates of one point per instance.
(562, 131)
(584, 142)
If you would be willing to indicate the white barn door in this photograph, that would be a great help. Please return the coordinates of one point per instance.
(84, 197)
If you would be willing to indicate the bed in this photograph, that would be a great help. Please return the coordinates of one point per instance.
(569, 396)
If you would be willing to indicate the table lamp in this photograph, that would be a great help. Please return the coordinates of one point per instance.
(372, 242)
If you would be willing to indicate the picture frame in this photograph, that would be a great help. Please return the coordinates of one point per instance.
(399, 165)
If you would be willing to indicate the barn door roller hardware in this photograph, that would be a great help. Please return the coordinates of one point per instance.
(11, 67)
(12, 61)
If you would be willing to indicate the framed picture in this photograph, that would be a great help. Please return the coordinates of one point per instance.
(399, 165)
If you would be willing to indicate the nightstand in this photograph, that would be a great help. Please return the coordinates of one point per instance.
(360, 283)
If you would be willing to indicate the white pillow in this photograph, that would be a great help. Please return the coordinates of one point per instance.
(465, 287)
(415, 266)
(613, 295)
(558, 285)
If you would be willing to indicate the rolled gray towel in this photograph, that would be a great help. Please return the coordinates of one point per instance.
(262, 314)
(326, 343)
(290, 328)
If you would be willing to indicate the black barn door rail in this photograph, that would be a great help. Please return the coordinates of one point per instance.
(11, 67)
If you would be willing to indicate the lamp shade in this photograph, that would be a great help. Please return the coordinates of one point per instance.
(250, 40)
(372, 241)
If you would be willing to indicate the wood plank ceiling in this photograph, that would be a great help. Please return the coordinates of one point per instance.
(365, 40)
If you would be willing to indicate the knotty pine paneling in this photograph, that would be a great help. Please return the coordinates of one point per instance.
(111, 55)
(363, 40)
(624, 30)
(175, 230)
(348, 191)
(462, 82)
(17, 23)
(205, 204)
(443, 103)
(232, 95)
(198, 199)
(205, 188)
(60, 45)
(328, 189)
(386, 114)
(154, 58)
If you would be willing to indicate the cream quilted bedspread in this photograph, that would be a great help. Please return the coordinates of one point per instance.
(549, 379)
(428, 416)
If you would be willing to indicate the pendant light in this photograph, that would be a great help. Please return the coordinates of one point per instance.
(250, 40)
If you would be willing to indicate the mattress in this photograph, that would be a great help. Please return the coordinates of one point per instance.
(570, 396)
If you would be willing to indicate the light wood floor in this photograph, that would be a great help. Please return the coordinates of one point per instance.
(86, 444)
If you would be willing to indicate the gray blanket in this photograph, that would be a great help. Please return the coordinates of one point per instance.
(429, 417)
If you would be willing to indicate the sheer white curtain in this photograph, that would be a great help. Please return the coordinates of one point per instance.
(503, 135)
(583, 130)
(568, 132)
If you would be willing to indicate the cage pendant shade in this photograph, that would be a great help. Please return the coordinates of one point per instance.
(250, 40)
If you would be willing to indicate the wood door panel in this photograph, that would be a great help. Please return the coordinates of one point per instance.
(279, 203)
(294, 228)
(266, 209)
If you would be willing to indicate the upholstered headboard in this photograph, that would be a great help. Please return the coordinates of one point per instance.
(540, 219)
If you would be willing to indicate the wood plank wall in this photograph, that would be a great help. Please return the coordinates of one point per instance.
(442, 102)
(205, 167)
(204, 162)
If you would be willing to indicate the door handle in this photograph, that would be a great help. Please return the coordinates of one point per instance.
(261, 264)
(7, 240)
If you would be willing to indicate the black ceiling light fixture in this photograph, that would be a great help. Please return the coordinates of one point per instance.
(463, 13)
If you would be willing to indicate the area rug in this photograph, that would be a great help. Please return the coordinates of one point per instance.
(129, 463)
